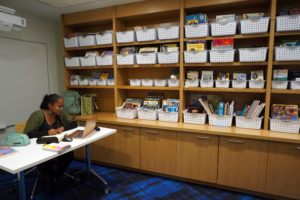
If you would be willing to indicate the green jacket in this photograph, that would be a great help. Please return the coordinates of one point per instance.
(36, 119)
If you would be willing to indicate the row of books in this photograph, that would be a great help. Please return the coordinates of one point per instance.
(163, 48)
(285, 74)
(253, 110)
(94, 76)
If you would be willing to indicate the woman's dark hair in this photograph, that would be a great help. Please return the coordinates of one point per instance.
(51, 98)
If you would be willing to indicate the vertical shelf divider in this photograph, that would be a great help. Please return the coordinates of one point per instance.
(181, 67)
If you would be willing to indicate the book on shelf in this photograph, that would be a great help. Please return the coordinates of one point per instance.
(257, 75)
(284, 112)
(6, 151)
(280, 74)
(56, 147)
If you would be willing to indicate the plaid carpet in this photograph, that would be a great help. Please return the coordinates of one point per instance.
(124, 184)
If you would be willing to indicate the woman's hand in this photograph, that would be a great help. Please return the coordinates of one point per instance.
(52, 132)
(60, 129)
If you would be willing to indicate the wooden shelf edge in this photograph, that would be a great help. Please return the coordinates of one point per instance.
(94, 67)
(88, 47)
(127, 87)
(209, 64)
(241, 90)
(147, 66)
(148, 42)
(239, 36)
(286, 63)
(287, 33)
(91, 86)
(285, 91)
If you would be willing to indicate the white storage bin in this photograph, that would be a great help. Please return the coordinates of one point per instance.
(239, 83)
(191, 83)
(93, 82)
(102, 82)
(168, 33)
(135, 82)
(83, 82)
(89, 40)
(220, 120)
(168, 57)
(206, 83)
(146, 35)
(243, 122)
(72, 62)
(110, 82)
(128, 59)
(222, 83)
(193, 118)
(195, 56)
(104, 38)
(147, 114)
(287, 53)
(147, 82)
(126, 37)
(295, 85)
(74, 82)
(220, 56)
(253, 54)
(173, 83)
(196, 30)
(279, 84)
(257, 84)
(251, 26)
(168, 116)
(126, 113)
(146, 58)
(71, 42)
(88, 61)
(288, 23)
(284, 126)
(160, 82)
(219, 29)
(105, 60)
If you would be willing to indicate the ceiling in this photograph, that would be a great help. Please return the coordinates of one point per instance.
(52, 9)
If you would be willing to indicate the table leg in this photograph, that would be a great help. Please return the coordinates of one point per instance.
(88, 159)
(22, 194)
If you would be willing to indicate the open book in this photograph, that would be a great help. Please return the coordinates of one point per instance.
(56, 147)
(51, 138)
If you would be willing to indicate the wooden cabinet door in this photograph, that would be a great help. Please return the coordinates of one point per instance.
(158, 151)
(283, 175)
(197, 156)
(243, 163)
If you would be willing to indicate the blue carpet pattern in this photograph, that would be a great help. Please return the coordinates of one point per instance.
(124, 184)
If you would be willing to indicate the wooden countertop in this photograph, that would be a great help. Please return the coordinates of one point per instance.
(110, 118)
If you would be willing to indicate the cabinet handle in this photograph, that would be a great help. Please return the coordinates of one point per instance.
(298, 148)
(152, 132)
(202, 137)
(127, 129)
(236, 141)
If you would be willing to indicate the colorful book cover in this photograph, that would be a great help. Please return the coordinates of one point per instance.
(5, 151)
(257, 75)
(284, 112)
(56, 147)
(280, 74)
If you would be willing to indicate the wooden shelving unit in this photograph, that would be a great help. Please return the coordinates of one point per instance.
(147, 66)
(148, 43)
(241, 90)
(88, 48)
(261, 35)
(127, 87)
(90, 86)
(283, 92)
(89, 68)
(233, 64)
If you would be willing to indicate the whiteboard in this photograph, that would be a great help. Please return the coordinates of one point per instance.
(23, 79)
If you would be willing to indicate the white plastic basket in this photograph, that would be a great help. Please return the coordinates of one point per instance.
(257, 84)
(147, 82)
(168, 33)
(284, 126)
(239, 83)
(87, 61)
(279, 84)
(295, 85)
(126, 37)
(146, 58)
(193, 118)
(206, 83)
(147, 114)
(105, 60)
(102, 82)
(135, 82)
(168, 57)
(173, 83)
(71, 42)
(220, 120)
(128, 59)
(72, 62)
(195, 56)
(83, 82)
(196, 30)
(110, 82)
(220, 56)
(243, 122)
(287, 53)
(160, 82)
(219, 29)
(146, 35)
(92, 82)
(253, 54)
(222, 83)
(288, 23)
(191, 83)
(259, 25)
(89, 40)
(104, 38)
(168, 116)
(126, 113)
(74, 82)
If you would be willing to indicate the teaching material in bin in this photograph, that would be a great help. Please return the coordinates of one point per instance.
(195, 109)
(169, 48)
(253, 110)
(227, 108)
(196, 19)
(170, 105)
(253, 15)
(257, 75)
(207, 75)
(131, 103)
(128, 50)
(56, 147)
(192, 75)
(174, 74)
(148, 50)
(196, 45)
(239, 76)
(226, 18)
(211, 99)
(6, 151)
(284, 112)
(222, 44)
(289, 43)
(289, 11)
(294, 75)
(280, 74)
(223, 76)
(152, 103)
